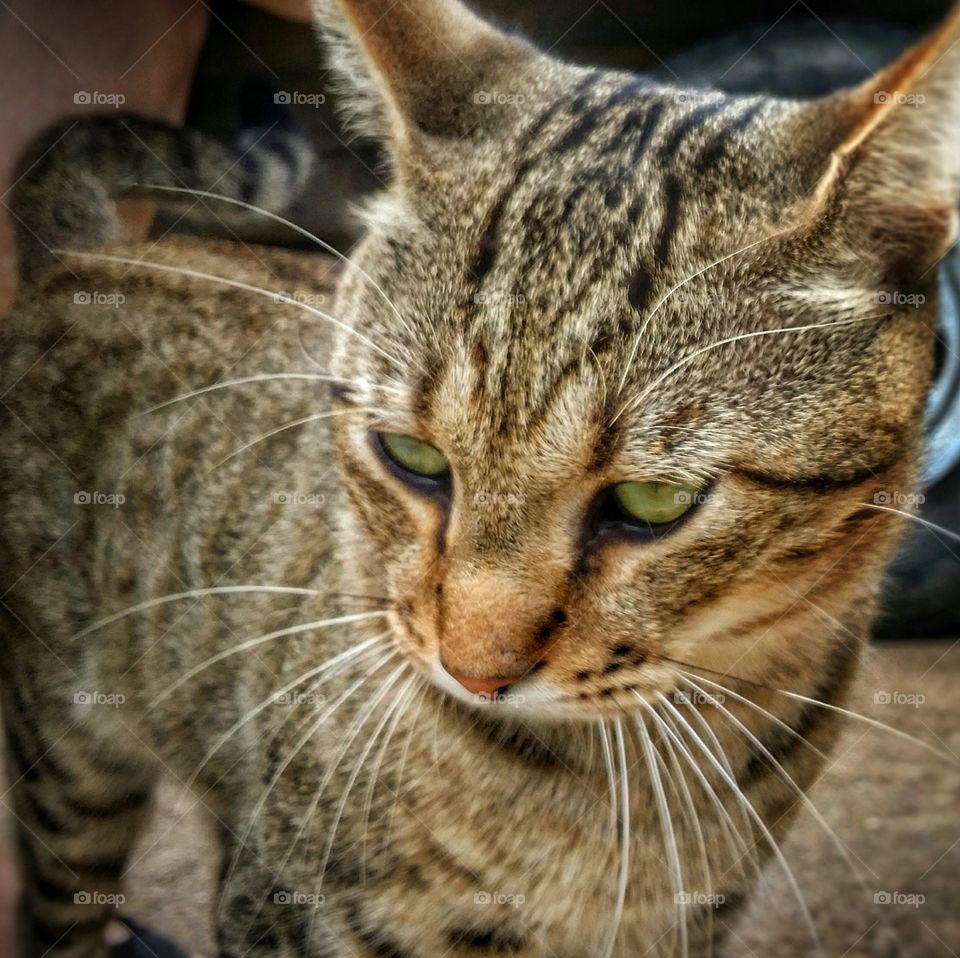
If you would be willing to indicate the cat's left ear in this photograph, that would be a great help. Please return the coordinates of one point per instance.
(412, 70)
(885, 202)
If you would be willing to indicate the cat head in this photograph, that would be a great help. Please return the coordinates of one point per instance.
(627, 368)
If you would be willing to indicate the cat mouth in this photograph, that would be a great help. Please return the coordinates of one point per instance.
(526, 696)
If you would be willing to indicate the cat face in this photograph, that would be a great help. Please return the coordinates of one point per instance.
(638, 361)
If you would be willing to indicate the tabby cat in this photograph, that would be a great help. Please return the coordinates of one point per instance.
(499, 604)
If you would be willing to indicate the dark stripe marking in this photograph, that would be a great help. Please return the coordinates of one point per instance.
(717, 148)
(687, 125)
(820, 483)
(496, 941)
(780, 743)
(673, 195)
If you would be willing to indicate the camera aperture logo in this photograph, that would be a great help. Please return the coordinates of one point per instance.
(896, 697)
(88, 699)
(95, 297)
(910, 899)
(899, 98)
(309, 500)
(95, 498)
(498, 898)
(698, 898)
(497, 98)
(511, 699)
(909, 500)
(695, 497)
(300, 698)
(98, 898)
(294, 897)
(299, 98)
(97, 98)
(296, 297)
(896, 297)
(698, 697)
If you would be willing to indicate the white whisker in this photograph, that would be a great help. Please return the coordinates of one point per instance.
(190, 594)
(611, 781)
(314, 727)
(693, 679)
(269, 214)
(262, 378)
(394, 706)
(342, 659)
(624, 873)
(666, 824)
(788, 780)
(693, 817)
(949, 533)
(759, 822)
(258, 641)
(670, 292)
(236, 284)
(314, 417)
(690, 357)
(874, 723)
(733, 836)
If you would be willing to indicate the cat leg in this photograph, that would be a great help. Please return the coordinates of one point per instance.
(77, 806)
(257, 916)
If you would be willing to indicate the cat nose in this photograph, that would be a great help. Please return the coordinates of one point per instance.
(483, 686)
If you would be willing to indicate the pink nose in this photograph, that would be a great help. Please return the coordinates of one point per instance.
(483, 686)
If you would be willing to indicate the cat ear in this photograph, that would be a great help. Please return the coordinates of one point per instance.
(886, 201)
(413, 67)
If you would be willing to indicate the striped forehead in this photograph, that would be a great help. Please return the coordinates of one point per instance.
(491, 398)
(607, 173)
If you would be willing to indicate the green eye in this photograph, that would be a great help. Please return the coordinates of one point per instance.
(415, 456)
(655, 502)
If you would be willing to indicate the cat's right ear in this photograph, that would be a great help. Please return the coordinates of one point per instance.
(415, 71)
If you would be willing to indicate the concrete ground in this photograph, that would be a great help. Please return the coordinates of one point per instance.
(895, 806)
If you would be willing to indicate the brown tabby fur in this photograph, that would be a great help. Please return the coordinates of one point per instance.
(549, 262)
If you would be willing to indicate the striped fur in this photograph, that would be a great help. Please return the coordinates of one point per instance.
(549, 293)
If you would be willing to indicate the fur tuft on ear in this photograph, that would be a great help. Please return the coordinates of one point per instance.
(889, 190)
(408, 68)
